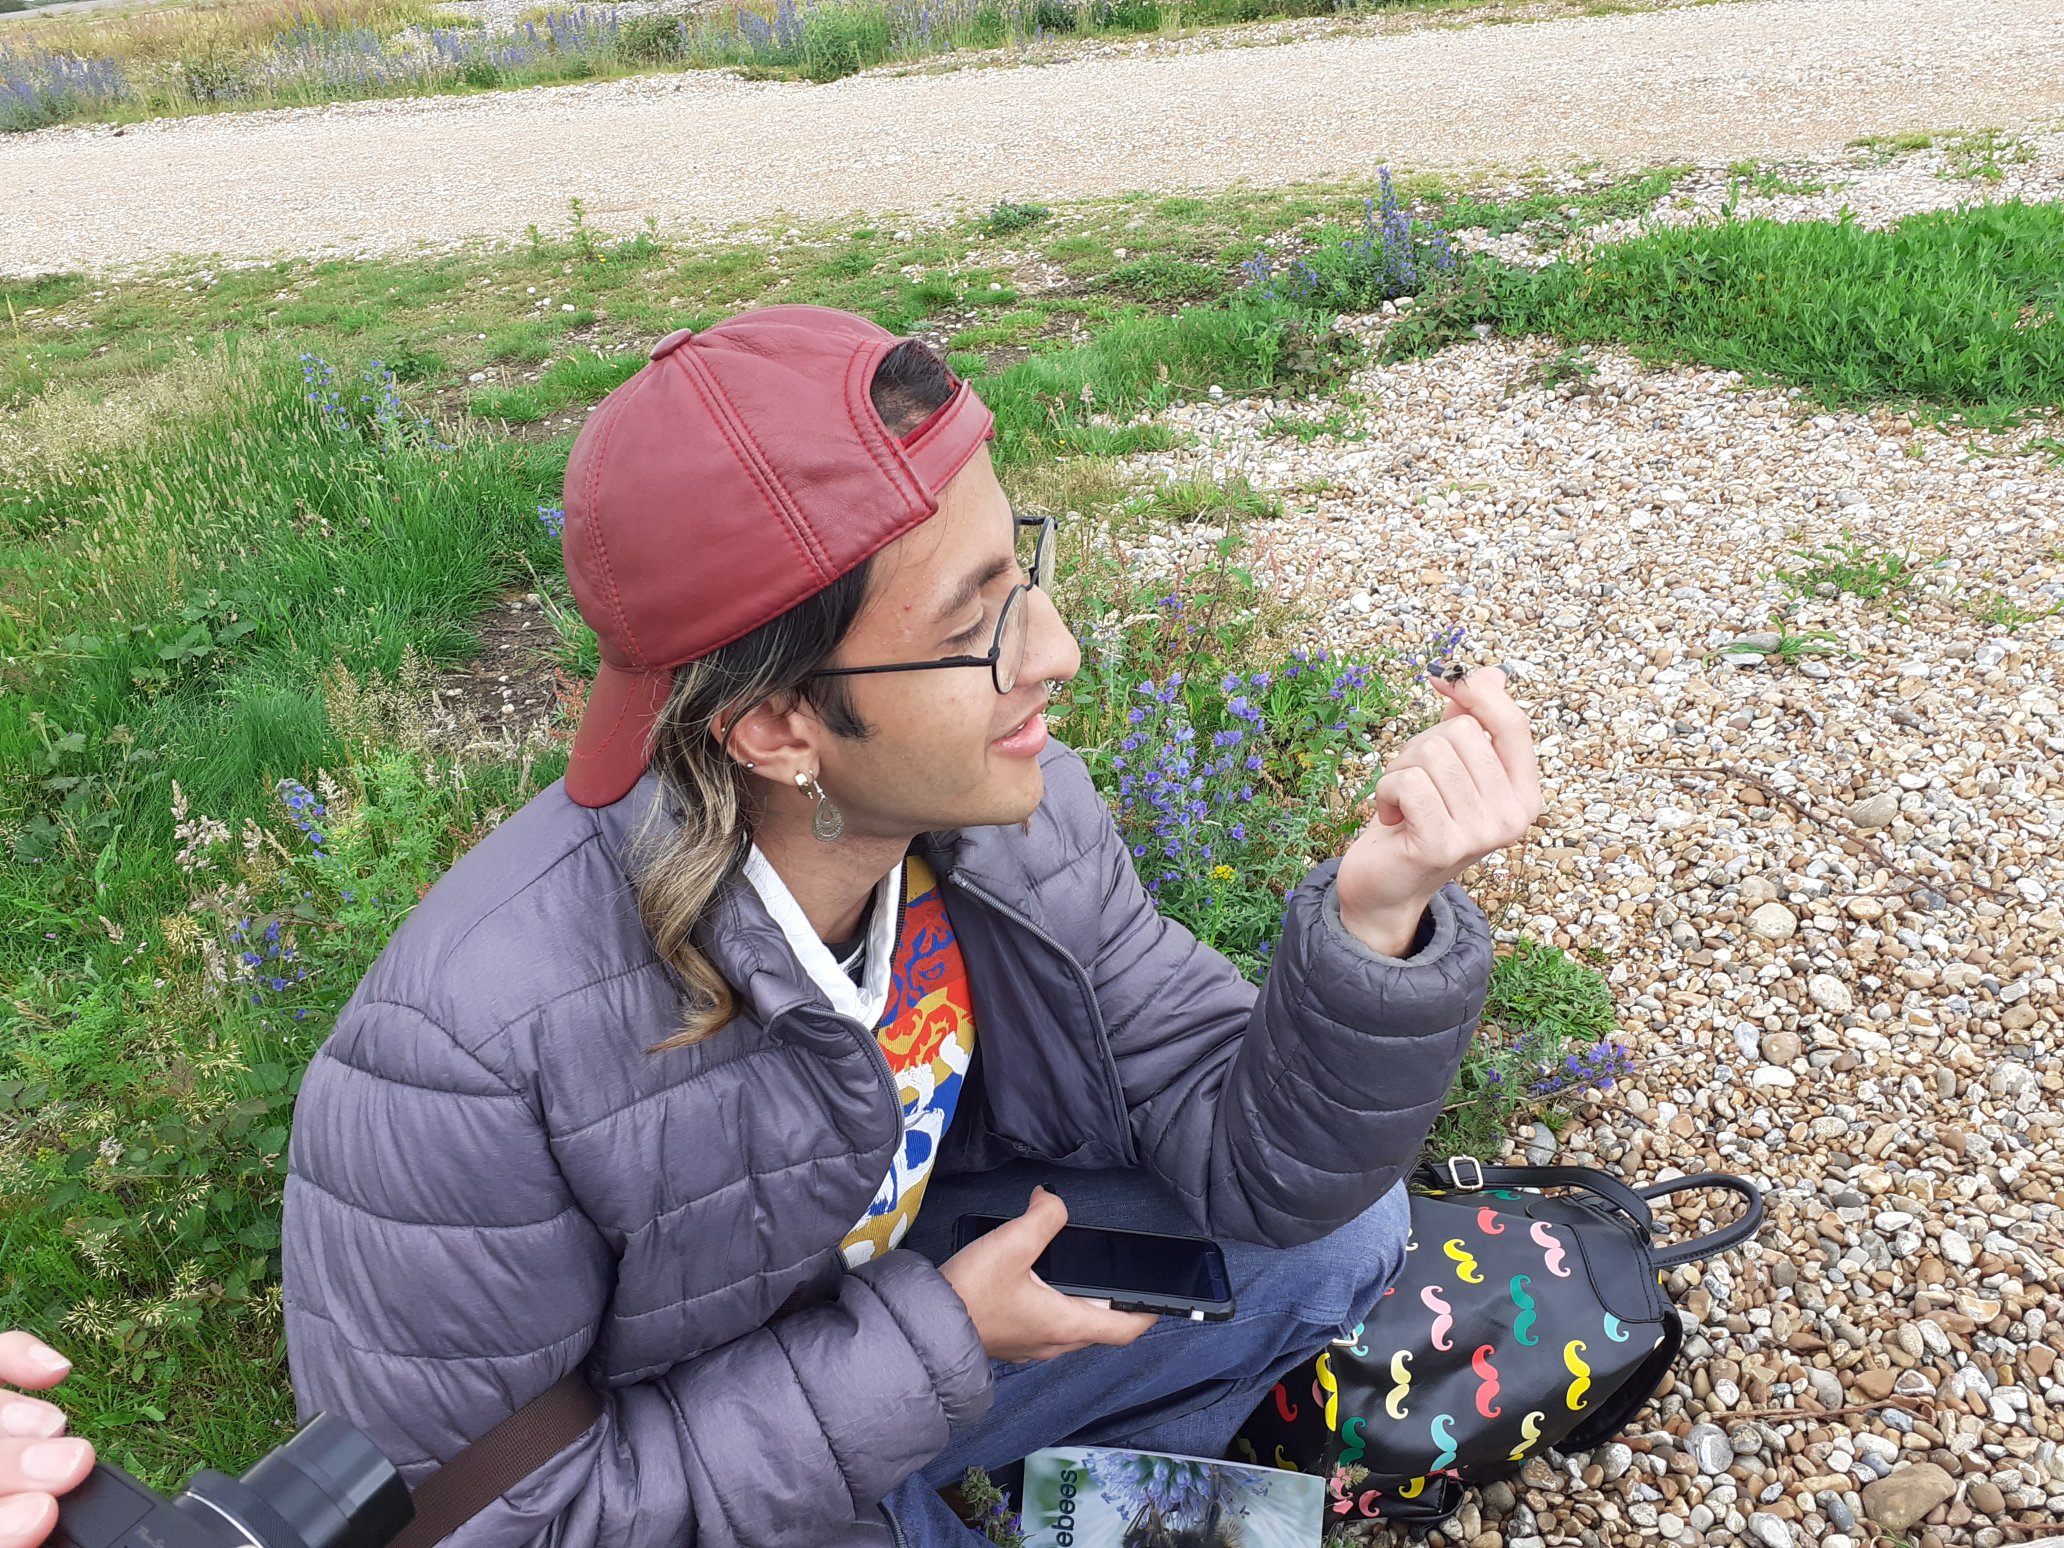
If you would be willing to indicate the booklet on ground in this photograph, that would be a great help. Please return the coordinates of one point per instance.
(1104, 1497)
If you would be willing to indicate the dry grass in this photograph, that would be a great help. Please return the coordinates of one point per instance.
(207, 30)
(48, 438)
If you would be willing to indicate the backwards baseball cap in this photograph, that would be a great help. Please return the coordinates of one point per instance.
(742, 470)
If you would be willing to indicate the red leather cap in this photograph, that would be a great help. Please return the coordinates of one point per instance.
(741, 471)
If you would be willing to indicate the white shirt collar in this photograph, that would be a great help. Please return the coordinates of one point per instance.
(864, 1001)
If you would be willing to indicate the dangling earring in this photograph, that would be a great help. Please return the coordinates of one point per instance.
(827, 822)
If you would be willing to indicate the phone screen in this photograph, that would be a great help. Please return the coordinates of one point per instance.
(1109, 1262)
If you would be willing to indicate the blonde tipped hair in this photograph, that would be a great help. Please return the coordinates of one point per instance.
(694, 839)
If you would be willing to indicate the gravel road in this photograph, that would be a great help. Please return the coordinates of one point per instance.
(1768, 78)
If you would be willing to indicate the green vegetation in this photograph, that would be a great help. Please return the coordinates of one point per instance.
(183, 599)
(1851, 566)
(1953, 312)
(1983, 155)
(1547, 1035)
(1007, 217)
(1338, 424)
(1567, 367)
(1881, 148)
(1769, 182)
(1783, 644)
(2004, 612)
(1554, 213)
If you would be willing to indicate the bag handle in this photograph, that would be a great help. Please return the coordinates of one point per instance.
(1729, 1235)
(500, 1460)
(1465, 1174)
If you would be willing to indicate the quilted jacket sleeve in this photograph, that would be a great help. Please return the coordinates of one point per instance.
(1280, 1115)
(439, 1274)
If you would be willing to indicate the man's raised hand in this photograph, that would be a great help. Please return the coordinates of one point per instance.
(1456, 792)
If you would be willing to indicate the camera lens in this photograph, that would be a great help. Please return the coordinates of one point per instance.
(328, 1487)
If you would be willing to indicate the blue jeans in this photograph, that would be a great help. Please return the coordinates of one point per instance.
(1182, 1386)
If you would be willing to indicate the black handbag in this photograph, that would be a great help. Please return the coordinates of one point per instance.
(1521, 1321)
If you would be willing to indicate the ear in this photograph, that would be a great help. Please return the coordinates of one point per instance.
(779, 737)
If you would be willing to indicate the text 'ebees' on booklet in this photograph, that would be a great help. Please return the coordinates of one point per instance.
(1105, 1497)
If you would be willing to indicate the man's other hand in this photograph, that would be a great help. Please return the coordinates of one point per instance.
(1018, 1315)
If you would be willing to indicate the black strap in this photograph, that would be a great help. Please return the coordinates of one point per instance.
(1717, 1241)
(1464, 1175)
(500, 1460)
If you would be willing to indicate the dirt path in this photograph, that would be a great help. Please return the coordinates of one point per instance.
(1765, 78)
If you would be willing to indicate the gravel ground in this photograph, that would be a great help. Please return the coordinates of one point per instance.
(1772, 78)
(1829, 893)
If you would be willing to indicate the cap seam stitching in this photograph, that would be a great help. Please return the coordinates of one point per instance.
(759, 469)
(593, 531)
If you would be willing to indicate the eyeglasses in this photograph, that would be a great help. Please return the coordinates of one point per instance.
(1007, 650)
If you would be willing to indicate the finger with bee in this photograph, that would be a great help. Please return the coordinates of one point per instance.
(1455, 671)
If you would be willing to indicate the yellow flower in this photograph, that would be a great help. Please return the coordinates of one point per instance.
(1222, 873)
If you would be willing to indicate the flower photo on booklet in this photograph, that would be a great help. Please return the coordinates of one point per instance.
(1106, 1497)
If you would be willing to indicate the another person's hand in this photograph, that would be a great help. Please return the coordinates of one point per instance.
(1018, 1315)
(36, 1463)
(1457, 792)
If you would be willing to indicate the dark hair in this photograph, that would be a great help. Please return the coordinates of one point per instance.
(698, 833)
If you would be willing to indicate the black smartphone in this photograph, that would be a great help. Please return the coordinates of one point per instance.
(1139, 1271)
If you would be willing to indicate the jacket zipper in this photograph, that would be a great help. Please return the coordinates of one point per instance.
(1096, 1014)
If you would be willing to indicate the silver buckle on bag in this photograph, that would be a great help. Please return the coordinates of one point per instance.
(1455, 1174)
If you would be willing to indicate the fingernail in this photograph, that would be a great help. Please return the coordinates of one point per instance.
(21, 1514)
(43, 1357)
(53, 1461)
(30, 1419)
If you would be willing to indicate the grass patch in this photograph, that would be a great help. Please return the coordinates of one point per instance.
(2005, 612)
(1954, 312)
(1159, 278)
(1065, 401)
(1008, 218)
(1338, 425)
(580, 378)
(1773, 182)
(1881, 148)
(181, 599)
(1553, 213)
(1547, 1035)
(1851, 567)
(1983, 155)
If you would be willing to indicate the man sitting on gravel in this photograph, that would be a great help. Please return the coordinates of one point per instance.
(821, 943)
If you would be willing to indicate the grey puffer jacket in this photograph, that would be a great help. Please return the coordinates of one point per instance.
(493, 1183)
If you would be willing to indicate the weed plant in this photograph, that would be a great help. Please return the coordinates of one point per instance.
(1007, 218)
(1394, 254)
(1983, 155)
(1851, 567)
(1783, 643)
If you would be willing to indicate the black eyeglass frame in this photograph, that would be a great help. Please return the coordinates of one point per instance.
(1042, 577)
